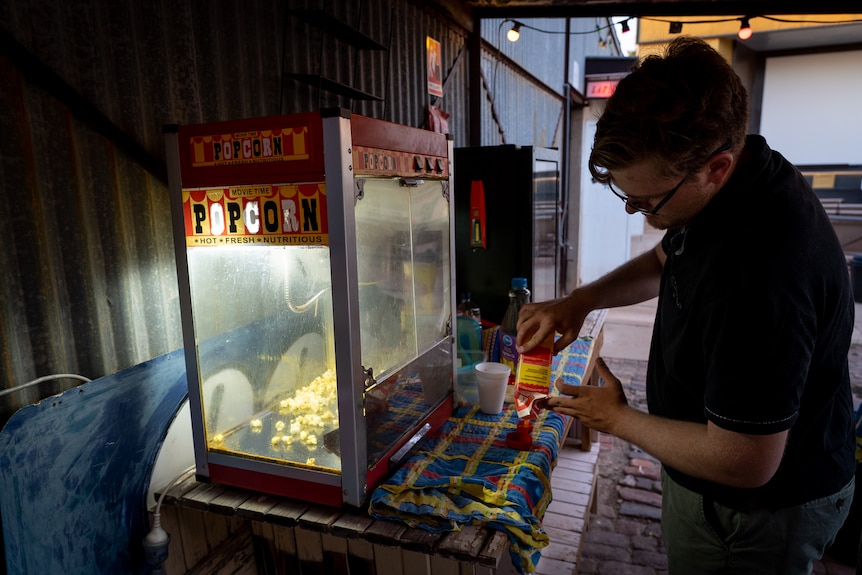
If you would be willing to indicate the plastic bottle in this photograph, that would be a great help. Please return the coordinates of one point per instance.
(519, 295)
(469, 309)
(469, 328)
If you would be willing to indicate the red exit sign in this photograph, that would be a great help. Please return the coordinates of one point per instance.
(601, 88)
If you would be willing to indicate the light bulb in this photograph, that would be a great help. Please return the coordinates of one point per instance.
(744, 29)
(515, 33)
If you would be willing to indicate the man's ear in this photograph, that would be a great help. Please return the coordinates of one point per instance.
(719, 167)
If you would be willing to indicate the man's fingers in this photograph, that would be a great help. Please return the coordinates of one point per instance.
(535, 339)
(566, 389)
(605, 373)
(578, 390)
(603, 368)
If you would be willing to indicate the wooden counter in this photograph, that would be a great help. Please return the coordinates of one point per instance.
(218, 530)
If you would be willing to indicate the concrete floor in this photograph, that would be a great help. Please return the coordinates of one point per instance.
(628, 331)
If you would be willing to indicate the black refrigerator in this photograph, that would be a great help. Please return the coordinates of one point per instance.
(508, 221)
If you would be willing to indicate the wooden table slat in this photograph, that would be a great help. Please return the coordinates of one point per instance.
(351, 525)
(176, 492)
(200, 497)
(421, 540)
(496, 547)
(286, 512)
(385, 532)
(319, 518)
(228, 501)
(257, 506)
(466, 544)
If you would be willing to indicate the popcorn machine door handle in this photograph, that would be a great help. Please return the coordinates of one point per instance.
(408, 448)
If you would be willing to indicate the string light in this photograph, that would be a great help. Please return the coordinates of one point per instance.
(602, 42)
(745, 32)
(744, 29)
(516, 27)
(675, 26)
(515, 32)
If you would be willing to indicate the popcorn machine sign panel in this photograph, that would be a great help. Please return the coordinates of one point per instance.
(270, 150)
(255, 146)
(256, 215)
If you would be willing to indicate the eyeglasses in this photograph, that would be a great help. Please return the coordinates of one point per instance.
(633, 204)
(648, 211)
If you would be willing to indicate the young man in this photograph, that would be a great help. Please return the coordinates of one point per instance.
(748, 387)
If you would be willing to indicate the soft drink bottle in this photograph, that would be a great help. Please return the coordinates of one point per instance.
(519, 295)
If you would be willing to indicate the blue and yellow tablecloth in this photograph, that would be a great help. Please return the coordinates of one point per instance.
(466, 475)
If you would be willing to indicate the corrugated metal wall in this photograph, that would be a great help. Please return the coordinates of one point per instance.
(89, 282)
(531, 113)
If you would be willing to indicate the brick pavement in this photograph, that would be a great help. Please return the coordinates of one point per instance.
(624, 535)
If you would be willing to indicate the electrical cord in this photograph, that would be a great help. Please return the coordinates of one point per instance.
(42, 379)
(157, 540)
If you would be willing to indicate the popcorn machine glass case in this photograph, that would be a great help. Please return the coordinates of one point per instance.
(315, 265)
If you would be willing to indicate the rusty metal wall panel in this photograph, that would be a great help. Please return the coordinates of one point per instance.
(404, 78)
(525, 116)
(530, 106)
(542, 53)
(397, 76)
(89, 280)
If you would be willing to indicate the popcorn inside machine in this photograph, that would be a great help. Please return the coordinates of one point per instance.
(315, 267)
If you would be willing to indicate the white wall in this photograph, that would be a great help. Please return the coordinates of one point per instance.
(812, 107)
(606, 227)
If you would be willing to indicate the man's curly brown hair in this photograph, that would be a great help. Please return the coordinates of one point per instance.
(675, 110)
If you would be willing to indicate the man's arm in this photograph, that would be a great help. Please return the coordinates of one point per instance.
(700, 450)
(635, 281)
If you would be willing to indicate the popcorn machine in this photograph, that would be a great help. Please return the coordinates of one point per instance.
(315, 261)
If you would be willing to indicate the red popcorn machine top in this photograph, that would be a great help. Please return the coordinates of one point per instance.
(315, 261)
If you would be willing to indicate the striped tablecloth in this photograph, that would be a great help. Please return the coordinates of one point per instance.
(466, 475)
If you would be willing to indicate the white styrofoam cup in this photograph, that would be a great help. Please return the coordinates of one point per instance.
(491, 380)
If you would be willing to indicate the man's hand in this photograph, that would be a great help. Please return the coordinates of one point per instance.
(596, 407)
(538, 320)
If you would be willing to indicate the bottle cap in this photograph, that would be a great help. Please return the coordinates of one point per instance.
(519, 440)
(519, 283)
